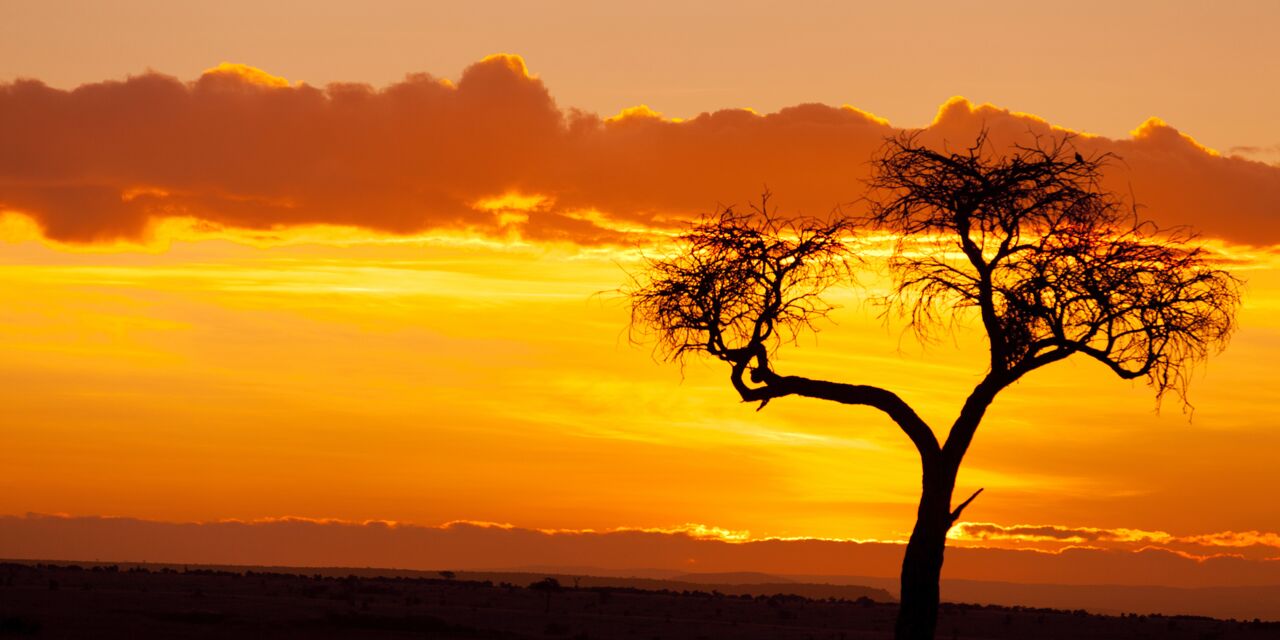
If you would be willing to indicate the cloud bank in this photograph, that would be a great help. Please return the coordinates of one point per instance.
(493, 153)
(462, 545)
(1256, 545)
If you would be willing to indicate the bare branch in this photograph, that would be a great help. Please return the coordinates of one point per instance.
(739, 285)
(896, 408)
(1051, 262)
(955, 514)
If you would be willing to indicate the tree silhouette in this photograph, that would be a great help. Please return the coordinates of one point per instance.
(547, 586)
(1026, 239)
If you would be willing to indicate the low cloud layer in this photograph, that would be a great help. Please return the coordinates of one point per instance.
(240, 148)
(301, 542)
(1255, 545)
(989, 531)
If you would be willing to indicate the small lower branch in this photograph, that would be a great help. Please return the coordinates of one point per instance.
(955, 515)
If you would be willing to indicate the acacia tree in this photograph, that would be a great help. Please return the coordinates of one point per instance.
(1025, 239)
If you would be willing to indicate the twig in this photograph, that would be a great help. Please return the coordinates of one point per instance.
(955, 515)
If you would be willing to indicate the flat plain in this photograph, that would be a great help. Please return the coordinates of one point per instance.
(107, 601)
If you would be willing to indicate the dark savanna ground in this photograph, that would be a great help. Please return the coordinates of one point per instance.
(61, 601)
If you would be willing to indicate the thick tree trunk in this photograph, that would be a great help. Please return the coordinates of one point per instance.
(922, 563)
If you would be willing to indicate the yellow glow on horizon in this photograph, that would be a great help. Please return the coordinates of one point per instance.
(418, 363)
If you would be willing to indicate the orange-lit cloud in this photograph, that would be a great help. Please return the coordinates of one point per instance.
(246, 73)
(989, 531)
(241, 148)
(1256, 545)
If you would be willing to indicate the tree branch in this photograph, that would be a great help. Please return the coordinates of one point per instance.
(975, 406)
(776, 386)
(955, 514)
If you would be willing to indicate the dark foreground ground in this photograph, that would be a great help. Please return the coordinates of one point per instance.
(59, 601)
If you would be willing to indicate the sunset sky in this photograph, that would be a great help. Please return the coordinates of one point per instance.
(322, 261)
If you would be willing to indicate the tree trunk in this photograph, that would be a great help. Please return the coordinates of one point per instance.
(922, 563)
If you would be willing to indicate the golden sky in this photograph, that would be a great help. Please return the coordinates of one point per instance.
(305, 284)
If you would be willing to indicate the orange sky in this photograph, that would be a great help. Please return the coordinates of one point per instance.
(234, 293)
